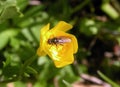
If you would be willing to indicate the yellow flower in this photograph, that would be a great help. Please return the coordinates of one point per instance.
(59, 45)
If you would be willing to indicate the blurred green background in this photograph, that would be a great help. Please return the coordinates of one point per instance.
(96, 26)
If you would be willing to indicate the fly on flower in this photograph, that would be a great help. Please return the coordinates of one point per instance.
(61, 47)
(61, 40)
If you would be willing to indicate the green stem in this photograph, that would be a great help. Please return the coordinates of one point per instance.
(77, 8)
(27, 63)
(67, 84)
(33, 36)
(108, 80)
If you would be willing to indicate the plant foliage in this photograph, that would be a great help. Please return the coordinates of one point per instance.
(96, 26)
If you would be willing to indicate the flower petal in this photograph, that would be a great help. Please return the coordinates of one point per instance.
(75, 43)
(63, 26)
(58, 33)
(62, 55)
(41, 52)
(44, 30)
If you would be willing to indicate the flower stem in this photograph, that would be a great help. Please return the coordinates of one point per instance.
(108, 80)
(24, 66)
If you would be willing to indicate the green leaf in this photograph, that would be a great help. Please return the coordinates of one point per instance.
(31, 70)
(22, 4)
(88, 27)
(15, 43)
(5, 35)
(13, 71)
(3, 41)
(111, 12)
(8, 10)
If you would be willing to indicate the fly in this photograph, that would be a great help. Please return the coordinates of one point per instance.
(58, 40)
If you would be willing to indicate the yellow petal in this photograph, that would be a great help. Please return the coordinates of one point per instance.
(62, 55)
(41, 52)
(58, 33)
(75, 43)
(43, 31)
(63, 26)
